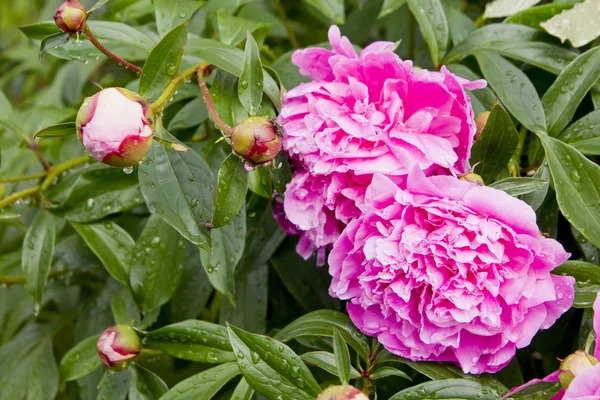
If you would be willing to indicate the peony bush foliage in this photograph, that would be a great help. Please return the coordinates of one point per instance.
(295, 200)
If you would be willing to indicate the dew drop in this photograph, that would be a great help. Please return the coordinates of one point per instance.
(128, 170)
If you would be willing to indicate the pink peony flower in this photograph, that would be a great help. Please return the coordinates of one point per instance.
(372, 113)
(448, 270)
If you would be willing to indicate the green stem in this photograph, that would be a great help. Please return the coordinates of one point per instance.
(286, 24)
(8, 280)
(32, 145)
(515, 160)
(19, 195)
(24, 178)
(159, 104)
(60, 168)
(110, 54)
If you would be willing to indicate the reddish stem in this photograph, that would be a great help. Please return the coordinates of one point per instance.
(227, 130)
(100, 46)
(36, 149)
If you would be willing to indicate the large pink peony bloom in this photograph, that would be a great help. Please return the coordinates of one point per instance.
(447, 270)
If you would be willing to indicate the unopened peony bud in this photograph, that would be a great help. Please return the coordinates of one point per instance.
(257, 139)
(473, 178)
(116, 127)
(118, 345)
(480, 122)
(574, 365)
(345, 392)
(70, 16)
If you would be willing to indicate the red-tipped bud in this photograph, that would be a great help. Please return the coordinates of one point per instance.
(473, 178)
(480, 122)
(345, 392)
(70, 16)
(116, 127)
(574, 365)
(118, 345)
(257, 139)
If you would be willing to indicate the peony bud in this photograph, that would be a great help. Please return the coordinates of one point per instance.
(345, 392)
(574, 365)
(480, 122)
(118, 345)
(116, 127)
(257, 139)
(473, 178)
(70, 16)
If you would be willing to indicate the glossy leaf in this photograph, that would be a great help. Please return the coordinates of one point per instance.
(163, 62)
(232, 29)
(114, 385)
(389, 6)
(251, 78)
(519, 186)
(259, 182)
(495, 146)
(535, 15)
(38, 250)
(53, 41)
(543, 389)
(562, 98)
(190, 115)
(503, 8)
(460, 25)
(447, 389)
(157, 264)
(171, 13)
(514, 89)
(385, 372)
(124, 309)
(547, 56)
(581, 270)
(232, 187)
(146, 385)
(179, 187)
(68, 128)
(203, 386)
(327, 362)
(481, 99)
(584, 134)
(81, 360)
(342, 357)
(96, 6)
(271, 367)
(43, 380)
(332, 9)
(112, 244)
(242, 391)
(433, 25)
(192, 340)
(579, 28)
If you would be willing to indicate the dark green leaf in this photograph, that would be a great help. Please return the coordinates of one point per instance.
(146, 385)
(288, 72)
(271, 367)
(179, 187)
(170, 13)
(519, 186)
(192, 340)
(482, 99)
(53, 41)
(585, 295)
(203, 386)
(590, 252)
(112, 244)
(163, 62)
(431, 370)
(227, 249)
(577, 184)
(190, 115)
(232, 187)
(242, 391)
(68, 128)
(562, 98)
(385, 372)
(124, 309)
(547, 56)
(496, 145)
(361, 21)
(81, 360)
(259, 182)
(538, 390)
(536, 198)
(584, 272)
(38, 251)
(114, 385)
(43, 380)
(584, 134)
(389, 6)
(514, 89)
(250, 88)
(332, 9)
(460, 25)
(534, 15)
(327, 361)
(281, 173)
(433, 25)
(342, 357)
(96, 6)
(157, 264)
(232, 29)
(323, 323)
(447, 389)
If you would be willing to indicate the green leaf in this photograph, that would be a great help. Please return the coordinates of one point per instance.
(535, 15)
(226, 100)
(43, 380)
(584, 134)
(190, 115)
(251, 78)
(519, 186)
(323, 323)
(514, 89)
(259, 182)
(232, 187)
(577, 184)
(433, 25)
(482, 98)
(114, 385)
(281, 173)
(271, 367)
(581, 28)
(163, 62)
(179, 187)
(81, 360)
(203, 386)
(232, 29)
(288, 72)
(447, 389)
(327, 362)
(68, 128)
(342, 357)
(38, 251)
(112, 244)
(170, 13)
(538, 390)
(96, 6)
(192, 340)
(585, 295)
(227, 249)
(460, 25)
(332, 9)
(431, 370)
(53, 41)
(230, 59)
(584, 272)
(242, 391)
(537, 197)
(385, 372)
(496, 145)
(124, 309)
(157, 264)
(146, 385)
(389, 6)
(504, 8)
(562, 98)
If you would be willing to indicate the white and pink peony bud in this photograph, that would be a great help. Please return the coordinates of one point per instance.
(70, 16)
(257, 140)
(116, 127)
(574, 365)
(345, 392)
(118, 345)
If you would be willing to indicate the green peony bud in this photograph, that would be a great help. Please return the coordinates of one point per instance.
(70, 16)
(257, 140)
(473, 178)
(574, 365)
(345, 392)
(118, 346)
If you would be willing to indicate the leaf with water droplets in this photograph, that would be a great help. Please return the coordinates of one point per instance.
(448, 389)
(504, 8)
(583, 271)
(537, 390)
(327, 362)
(146, 385)
(81, 360)
(170, 13)
(53, 41)
(260, 182)
(124, 309)
(566, 93)
(535, 15)
(171, 144)
(433, 25)
(232, 29)
(163, 62)
(578, 25)
(232, 187)
(38, 250)
(250, 86)
(519, 186)
(203, 386)
(577, 184)
(156, 264)
(584, 134)
(271, 367)
(114, 385)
